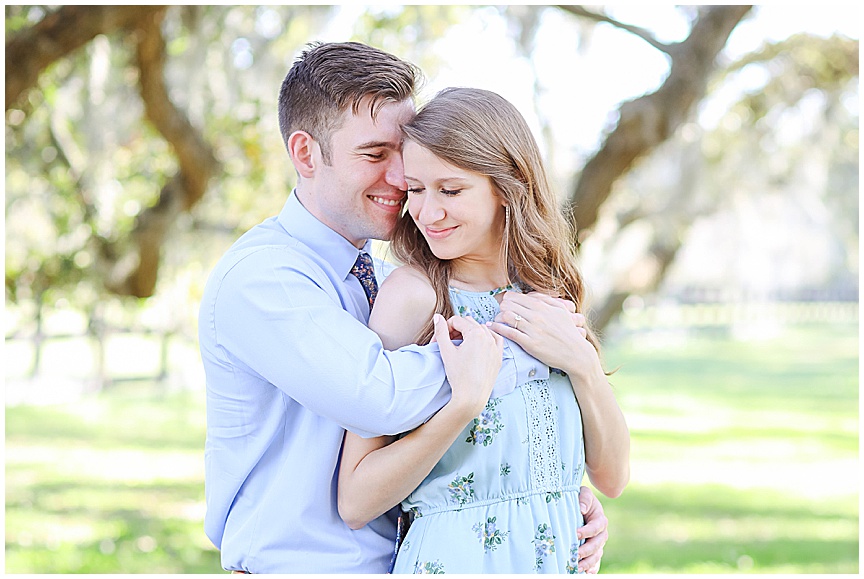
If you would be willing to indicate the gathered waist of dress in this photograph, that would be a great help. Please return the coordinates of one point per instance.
(549, 494)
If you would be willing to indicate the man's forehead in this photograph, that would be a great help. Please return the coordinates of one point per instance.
(384, 128)
(378, 111)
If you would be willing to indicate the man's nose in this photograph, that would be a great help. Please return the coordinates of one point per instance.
(395, 175)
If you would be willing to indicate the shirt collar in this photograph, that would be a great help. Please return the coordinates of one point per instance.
(331, 246)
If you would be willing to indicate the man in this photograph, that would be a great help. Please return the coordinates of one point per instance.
(289, 361)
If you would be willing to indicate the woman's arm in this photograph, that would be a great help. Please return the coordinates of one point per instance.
(607, 438)
(376, 474)
(552, 334)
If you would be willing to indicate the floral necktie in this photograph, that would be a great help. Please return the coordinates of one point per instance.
(364, 272)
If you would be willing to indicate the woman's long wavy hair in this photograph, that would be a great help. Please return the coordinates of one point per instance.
(480, 131)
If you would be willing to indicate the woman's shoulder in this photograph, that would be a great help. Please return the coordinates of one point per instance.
(410, 284)
(409, 277)
(405, 303)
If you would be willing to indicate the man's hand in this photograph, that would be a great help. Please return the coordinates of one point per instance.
(594, 532)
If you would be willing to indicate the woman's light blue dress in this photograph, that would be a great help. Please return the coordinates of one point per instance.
(505, 497)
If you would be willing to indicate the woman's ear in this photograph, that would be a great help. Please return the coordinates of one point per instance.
(301, 146)
(498, 193)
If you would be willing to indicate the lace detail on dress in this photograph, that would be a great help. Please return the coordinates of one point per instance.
(482, 306)
(542, 436)
(483, 309)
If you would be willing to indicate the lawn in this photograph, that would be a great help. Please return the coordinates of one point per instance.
(744, 459)
(110, 484)
(744, 453)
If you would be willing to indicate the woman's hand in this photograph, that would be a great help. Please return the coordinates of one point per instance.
(549, 329)
(472, 366)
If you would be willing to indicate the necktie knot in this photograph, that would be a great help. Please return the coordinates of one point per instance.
(365, 273)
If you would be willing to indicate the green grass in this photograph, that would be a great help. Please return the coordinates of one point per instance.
(111, 484)
(744, 454)
(744, 459)
(681, 528)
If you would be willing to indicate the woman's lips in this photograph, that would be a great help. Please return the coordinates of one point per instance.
(439, 233)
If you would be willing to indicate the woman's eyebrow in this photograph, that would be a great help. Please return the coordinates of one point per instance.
(442, 180)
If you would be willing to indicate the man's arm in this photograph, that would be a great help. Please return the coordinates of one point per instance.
(375, 474)
(273, 319)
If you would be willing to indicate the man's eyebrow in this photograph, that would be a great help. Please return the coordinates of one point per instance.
(379, 145)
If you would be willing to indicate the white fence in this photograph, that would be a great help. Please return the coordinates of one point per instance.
(46, 362)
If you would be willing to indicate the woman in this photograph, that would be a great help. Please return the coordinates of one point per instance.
(497, 480)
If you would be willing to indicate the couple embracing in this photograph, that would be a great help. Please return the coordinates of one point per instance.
(457, 408)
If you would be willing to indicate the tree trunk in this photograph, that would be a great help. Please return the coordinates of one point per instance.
(649, 120)
(137, 277)
(61, 32)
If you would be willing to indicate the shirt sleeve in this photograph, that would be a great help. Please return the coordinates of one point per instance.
(275, 319)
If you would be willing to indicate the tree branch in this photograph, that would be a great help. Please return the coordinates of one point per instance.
(32, 50)
(635, 30)
(195, 157)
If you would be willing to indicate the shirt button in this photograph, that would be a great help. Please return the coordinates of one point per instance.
(532, 373)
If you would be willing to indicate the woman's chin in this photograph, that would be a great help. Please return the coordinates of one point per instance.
(443, 255)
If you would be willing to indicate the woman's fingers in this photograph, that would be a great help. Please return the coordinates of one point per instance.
(513, 314)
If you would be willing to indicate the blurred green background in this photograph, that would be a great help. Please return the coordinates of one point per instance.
(722, 264)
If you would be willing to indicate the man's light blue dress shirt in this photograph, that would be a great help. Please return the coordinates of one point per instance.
(290, 364)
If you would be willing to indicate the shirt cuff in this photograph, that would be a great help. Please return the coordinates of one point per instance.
(517, 368)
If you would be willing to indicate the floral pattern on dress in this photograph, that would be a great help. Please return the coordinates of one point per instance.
(462, 489)
(573, 564)
(429, 568)
(485, 425)
(475, 486)
(472, 312)
(554, 496)
(544, 543)
(489, 535)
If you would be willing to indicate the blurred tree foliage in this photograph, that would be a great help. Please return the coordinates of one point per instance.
(84, 164)
(87, 164)
(791, 140)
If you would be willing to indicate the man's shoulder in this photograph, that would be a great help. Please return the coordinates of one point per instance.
(260, 252)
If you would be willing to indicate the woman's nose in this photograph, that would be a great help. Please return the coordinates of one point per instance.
(431, 211)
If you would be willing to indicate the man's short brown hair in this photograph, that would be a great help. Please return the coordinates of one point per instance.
(328, 78)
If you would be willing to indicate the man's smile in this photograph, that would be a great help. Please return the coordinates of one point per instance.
(388, 203)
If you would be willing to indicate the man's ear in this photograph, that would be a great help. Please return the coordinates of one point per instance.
(301, 146)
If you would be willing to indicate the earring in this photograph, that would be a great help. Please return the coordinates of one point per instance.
(506, 242)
